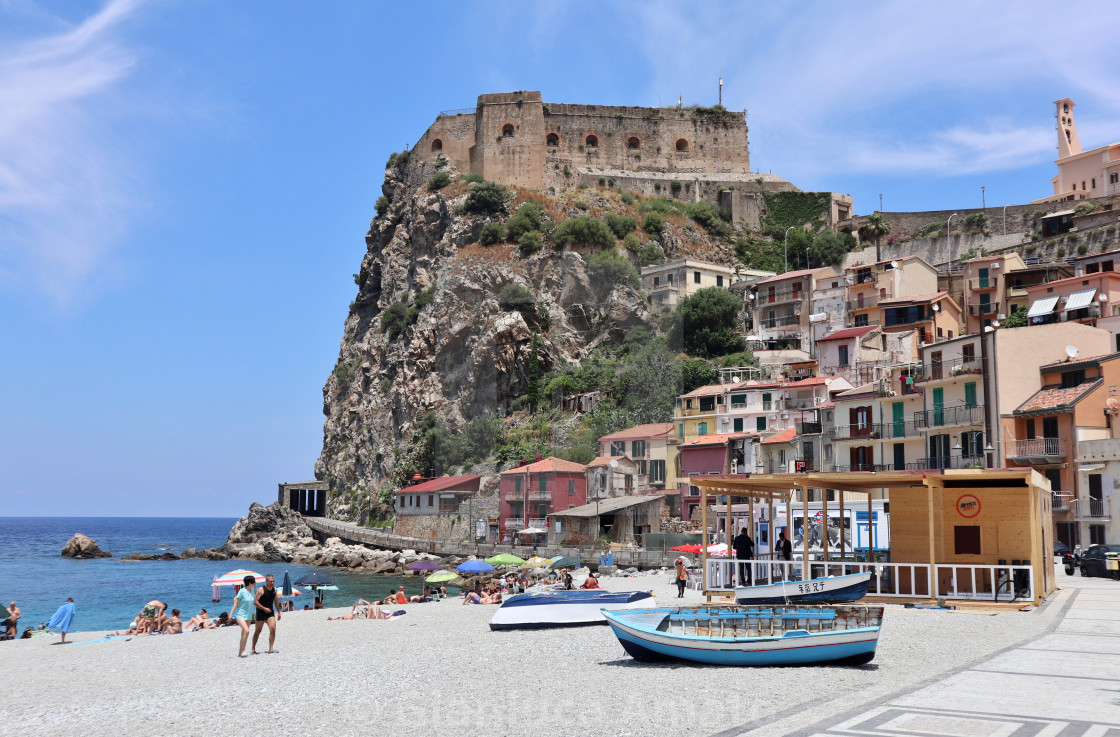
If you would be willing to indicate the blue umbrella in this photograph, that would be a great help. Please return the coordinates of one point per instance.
(475, 566)
(286, 589)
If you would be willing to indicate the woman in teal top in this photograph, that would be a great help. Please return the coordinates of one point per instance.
(243, 611)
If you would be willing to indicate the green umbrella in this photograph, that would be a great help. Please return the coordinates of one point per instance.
(563, 562)
(441, 576)
(505, 559)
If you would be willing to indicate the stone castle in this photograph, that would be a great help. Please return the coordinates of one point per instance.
(695, 153)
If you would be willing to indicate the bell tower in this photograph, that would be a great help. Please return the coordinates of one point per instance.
(1068, 142)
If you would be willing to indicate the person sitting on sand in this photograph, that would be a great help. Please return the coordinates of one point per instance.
(401, 597)
(222, 620)
(591, 582)
(12, 622)
(173, 625)
(200, 621)
(306, 607)
(151, 616)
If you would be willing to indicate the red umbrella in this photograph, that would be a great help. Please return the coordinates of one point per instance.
(686, 549)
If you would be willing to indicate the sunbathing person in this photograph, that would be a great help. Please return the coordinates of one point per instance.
(173, 625)
(200, 621)
(471, 597)
(362, 609)
(591, 582)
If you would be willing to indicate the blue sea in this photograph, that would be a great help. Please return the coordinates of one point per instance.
(108, 592)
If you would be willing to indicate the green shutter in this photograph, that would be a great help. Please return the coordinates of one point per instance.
(939, 406)
(702, 428)
(898, 417)
(738, 423)
(760, 424)
(970, 394)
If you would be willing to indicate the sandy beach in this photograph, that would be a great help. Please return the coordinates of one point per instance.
(440, 670)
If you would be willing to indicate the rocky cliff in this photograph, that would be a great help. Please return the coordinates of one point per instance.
(464, 350)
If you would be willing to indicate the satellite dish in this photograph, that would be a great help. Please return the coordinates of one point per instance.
(937, 308)
(1103, 298)
(735, 379)
(995, 323)
(1071, 351)
(614, 464)
(750, 296)
(894, 264)
(828, 382)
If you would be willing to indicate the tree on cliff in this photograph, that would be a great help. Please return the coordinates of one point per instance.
(707, 323)
(874, 229)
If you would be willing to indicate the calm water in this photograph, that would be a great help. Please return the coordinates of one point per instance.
(109, 592)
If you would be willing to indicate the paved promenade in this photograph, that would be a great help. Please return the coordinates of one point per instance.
(1064, 683)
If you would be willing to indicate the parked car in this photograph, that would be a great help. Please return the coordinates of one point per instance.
(1094, 563)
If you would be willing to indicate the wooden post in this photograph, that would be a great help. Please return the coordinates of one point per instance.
(824, 526)
(805, 533)
(771, 540)
(704, 540)
(933, 583)
(870, 531)
(842, 522)
(789, 521)
(753, 532)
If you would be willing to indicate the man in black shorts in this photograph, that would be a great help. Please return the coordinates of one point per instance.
(267, 613)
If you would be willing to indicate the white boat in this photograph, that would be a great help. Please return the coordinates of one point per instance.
(832, 589)
(541, 609)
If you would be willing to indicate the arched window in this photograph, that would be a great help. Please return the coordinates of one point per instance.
(553, 139)
(507, 130)
(592, 140)
(682, 144)
(633, 143)
(437, 145)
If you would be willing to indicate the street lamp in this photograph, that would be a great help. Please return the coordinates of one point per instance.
(1005, 217)
(983, 201)
(785, 244)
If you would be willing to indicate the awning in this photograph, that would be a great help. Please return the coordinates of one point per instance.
(1043, 306)
(1057, 214)
(1080, 300)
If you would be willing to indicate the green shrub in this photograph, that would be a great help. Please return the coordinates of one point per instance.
(602, 181)
(706, 323)
(651, 253)
(583, 230)
(610, 267)
(665, 206)
(398, 160)
(675, 187)
(486, 198)
(514, 296)
(711, 217)
(519, 225)
(653, 224)
(583, 185)
(620, 225)
(471, 178)
(438, 181)
(424, 298)
(533, 211)
(1061, 252)
(397, 317)
(632, 242)
(529, 242)
(628, 198)
(1082, 249)
(491, 234)
(382, 205)
(581, 205)
(1031, 250)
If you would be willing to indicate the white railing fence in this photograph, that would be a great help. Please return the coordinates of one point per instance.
(985, 582)
(905, 580)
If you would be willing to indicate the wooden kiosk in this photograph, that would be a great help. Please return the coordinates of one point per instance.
(982, 535)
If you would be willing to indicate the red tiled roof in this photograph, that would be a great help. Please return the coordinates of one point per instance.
(811, 381)
(548, 465)
(783, 437)
(700, 440)
(793, 275)
(705, 391)
(1053, 398)
(1077, 361)
(914, 298)
(441, 484)
(1071, 279)
(848, 333)
(653, 430)
(604, 460)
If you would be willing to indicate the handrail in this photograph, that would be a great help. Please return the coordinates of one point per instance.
(996, 582)
(908, 580)
(1036, 447)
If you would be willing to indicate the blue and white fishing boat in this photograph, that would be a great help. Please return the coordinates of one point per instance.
(830, 590)
(552, 608)
(750, 635)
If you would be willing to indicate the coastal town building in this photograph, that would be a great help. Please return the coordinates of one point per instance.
(985, 281)
(1084, 299)
(437, 508)
(610, 476)
(652, 446)
(1082, 174)
(1017, 280)
(622, 520)
(783, 309)
(1098, 468)
(309, 498)
(529, 494)
(670, 282)
(869, 285)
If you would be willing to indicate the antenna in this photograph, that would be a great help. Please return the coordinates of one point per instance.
(1071, 351)
(614, 464)
(894, 264)
(937, 308)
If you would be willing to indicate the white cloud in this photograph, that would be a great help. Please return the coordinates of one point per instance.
(63, 181)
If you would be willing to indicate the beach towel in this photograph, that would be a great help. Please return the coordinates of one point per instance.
(63, 617)
(103, 639)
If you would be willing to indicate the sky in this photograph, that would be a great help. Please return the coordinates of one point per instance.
(185, 186)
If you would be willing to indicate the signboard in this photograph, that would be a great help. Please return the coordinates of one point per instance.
(968, 506)
(558, 523)
(480, 528)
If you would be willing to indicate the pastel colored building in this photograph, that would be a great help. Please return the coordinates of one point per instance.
(670, 282)
(609, 476)
(653, 447)
(1085, 299)
(429, 509)
(870, 284)
(529, 493)
(782, 308)
(985, 287)
(1082, 174)
(1097, 510)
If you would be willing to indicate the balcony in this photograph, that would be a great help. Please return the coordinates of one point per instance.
(868, 300)
(877, 431)
(960, 415)
(992, 282)
(780, 295)
(1036, 451)
(979, 309)
(515, 524)
(1060, 500)
(539, 522)
(1090, 509)
(809, 428)
(948, 369)
(540, 496)
(863, 467)
(783, 321)
(940, 463)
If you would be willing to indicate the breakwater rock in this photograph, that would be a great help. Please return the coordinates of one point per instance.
(81, 546)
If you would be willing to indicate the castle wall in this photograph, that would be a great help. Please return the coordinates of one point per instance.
(510, 139)
(452, 136)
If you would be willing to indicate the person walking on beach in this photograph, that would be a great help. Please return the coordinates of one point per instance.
(12, 622)
(784, 548)
(265, 603)
(63, 618)
(744, 550)
(682, 578)
(243, 611)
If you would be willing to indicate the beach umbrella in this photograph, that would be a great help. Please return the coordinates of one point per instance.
(537, 562)
(314, 579)
(215, 592)
(237, 578)
(441, 576)
(424, 565)
(686, 549)
(475, 566)
(563, 562)
(505, 559)
(531, 531)
(286, 588)
(291, 592)
(685, 561)
(718, 549)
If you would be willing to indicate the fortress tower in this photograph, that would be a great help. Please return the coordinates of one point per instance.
(1068, 142)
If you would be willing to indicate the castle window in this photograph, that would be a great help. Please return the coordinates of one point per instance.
(553, 139)
(592, 141)
(437, 145)
(507, 130)
(682, 144)
(633, 143)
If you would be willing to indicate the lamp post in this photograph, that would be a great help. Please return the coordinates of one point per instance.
(785, 245)
(1005, 217)
(983, 201)
(880, 202)
(949, 246)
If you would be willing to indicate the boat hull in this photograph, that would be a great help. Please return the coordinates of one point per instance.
(854, 646)
(835, 590)
(548, 609)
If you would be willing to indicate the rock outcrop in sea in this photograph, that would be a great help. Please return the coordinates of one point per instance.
(81, 546)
